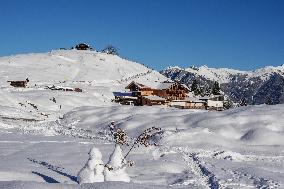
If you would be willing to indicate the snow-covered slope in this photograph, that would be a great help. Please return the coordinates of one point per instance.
(97, 74)
(45, 135)
(238, 148)
(70, 65)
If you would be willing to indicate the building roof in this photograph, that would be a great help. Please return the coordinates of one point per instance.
(154, 97)
(185, 87)
(122, 94)
(139, 85)
(164, 85)
(83, 44)
(167, 84)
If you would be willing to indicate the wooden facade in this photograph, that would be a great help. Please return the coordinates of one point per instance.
(125, 98)
(138, 89)
(188, 104)
(171, 91)
(161, 94)
(78, 89)
(153, 100)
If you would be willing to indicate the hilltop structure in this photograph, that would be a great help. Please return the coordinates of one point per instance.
(83, 46)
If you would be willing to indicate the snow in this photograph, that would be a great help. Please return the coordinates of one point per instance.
(45, 146)
(193, 141)
(93, 169)
(224, 75)
(115, 169)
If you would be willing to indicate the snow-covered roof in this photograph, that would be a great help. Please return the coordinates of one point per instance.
(17, 78)
(139, 85)
(185, 86)
(154, 97)
(83, 44)
(165, 85)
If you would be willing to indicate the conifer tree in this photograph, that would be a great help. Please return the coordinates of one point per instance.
(194, 85)
(269, 101)
(110, 50)
(216, 88)
(195, 88)
(243, 102)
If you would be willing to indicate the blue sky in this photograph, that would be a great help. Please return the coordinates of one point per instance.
(240, 34)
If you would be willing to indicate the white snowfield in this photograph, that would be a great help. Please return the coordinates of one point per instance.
(45, 146)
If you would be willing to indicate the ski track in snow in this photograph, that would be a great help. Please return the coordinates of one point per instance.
(127, 79)
(203, 175)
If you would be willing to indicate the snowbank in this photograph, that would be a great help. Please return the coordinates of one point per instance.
(105, 185)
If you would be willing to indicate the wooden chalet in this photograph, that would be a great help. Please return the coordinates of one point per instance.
(171, 90)
(167, 93)
(78, 90)
(19, 83)
(146, 95)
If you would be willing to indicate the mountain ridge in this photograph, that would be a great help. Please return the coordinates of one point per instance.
(251, 86)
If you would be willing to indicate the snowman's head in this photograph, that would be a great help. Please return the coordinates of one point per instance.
(95, 153)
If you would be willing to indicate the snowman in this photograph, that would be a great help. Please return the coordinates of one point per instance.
(115, 169)
(93, 169)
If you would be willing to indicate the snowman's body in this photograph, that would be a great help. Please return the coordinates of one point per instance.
(99, 169)
(93, 169)
(115, 171)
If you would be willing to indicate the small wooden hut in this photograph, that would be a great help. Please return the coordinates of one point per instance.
(22, 83)
(82, 46)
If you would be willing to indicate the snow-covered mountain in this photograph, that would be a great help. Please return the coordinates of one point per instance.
(256, 87)
(73, 65)
(97, 74)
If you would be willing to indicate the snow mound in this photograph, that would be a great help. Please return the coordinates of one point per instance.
(104, 185)
(263, 137)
